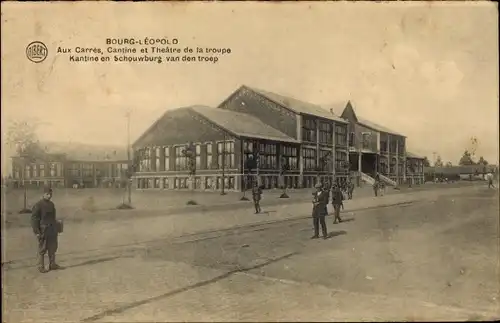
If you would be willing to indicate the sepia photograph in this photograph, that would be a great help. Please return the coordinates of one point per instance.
(250, 161)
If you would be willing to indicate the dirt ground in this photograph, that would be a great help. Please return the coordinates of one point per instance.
(434, 258)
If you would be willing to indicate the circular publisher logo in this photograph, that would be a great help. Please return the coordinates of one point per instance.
(36, 52)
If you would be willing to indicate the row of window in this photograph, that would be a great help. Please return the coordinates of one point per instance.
(158, 159)
(207, 183)
(38, 170)
(215, 183)
(87, 170)
(325, 164)
(311, 127)
(392, 146)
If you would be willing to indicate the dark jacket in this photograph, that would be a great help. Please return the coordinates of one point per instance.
(256, 193)
(43, 214)
(320, 203)
(337, 197)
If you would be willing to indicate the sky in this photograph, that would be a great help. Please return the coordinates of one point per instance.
(428, 70)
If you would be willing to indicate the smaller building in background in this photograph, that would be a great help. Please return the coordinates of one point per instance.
(72, 165)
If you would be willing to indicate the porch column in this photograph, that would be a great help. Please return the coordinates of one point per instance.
(359, 162)
(360, 170)
(301, 167)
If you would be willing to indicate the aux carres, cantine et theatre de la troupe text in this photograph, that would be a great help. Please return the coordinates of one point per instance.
(143, 50)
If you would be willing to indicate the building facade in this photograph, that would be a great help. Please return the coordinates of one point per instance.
(310, 141)
(68, 169)
(316, 145)
(375, 149)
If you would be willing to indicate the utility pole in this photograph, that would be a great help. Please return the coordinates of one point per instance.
(129, 161)
(434, 160)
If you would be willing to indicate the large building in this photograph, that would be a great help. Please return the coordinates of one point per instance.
(315, 144)
(374, 148)
(71, 164)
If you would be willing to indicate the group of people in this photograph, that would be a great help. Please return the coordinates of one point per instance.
(321, 199)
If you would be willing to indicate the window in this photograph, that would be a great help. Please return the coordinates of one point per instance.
(325, 133)
(145, 160)
(290, 154)
(383, 145)
(267, 156)
(341, 135)
(309, 130)
(225, 150)
(392, 146)
(392, 166)
(198, 156)
(180, 159)
(27, 171)
(166, 183)
(42, 170)
(309, 158)
(53, 170)
(34, 170)
(87, 170)
(166, 151)
(366, 140)
(208, 183)
(352, 139)
(341, 161)
(324, 161)
(209, 156)
(158, 159)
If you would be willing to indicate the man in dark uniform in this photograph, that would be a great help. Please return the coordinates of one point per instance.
(46, 229)
(320, 210)
(350, 189)
(256, 195)
(337, 202)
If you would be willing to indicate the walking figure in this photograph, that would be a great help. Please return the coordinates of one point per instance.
(381, 188)
(490, 180)
(320, 211)
(46, 228)
(337, 203)
(350, 189)
(257, 196)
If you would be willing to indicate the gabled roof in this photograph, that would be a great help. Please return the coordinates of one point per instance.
(377, 127)
(297, 106)
(412, 155)
(85, 152)
(241, 124)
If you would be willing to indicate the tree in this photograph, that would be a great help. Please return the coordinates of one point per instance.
(449, 164)
(466, 159)
(426, 162)
(482, 161)
(21, 136)
(438, 162)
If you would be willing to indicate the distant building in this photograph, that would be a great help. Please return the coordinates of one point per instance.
(468, 172)
(70, 164)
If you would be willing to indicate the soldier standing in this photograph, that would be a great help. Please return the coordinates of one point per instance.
(256, 195)
(320, 210)
(337, 202)
(350, 189)
(46, 228)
